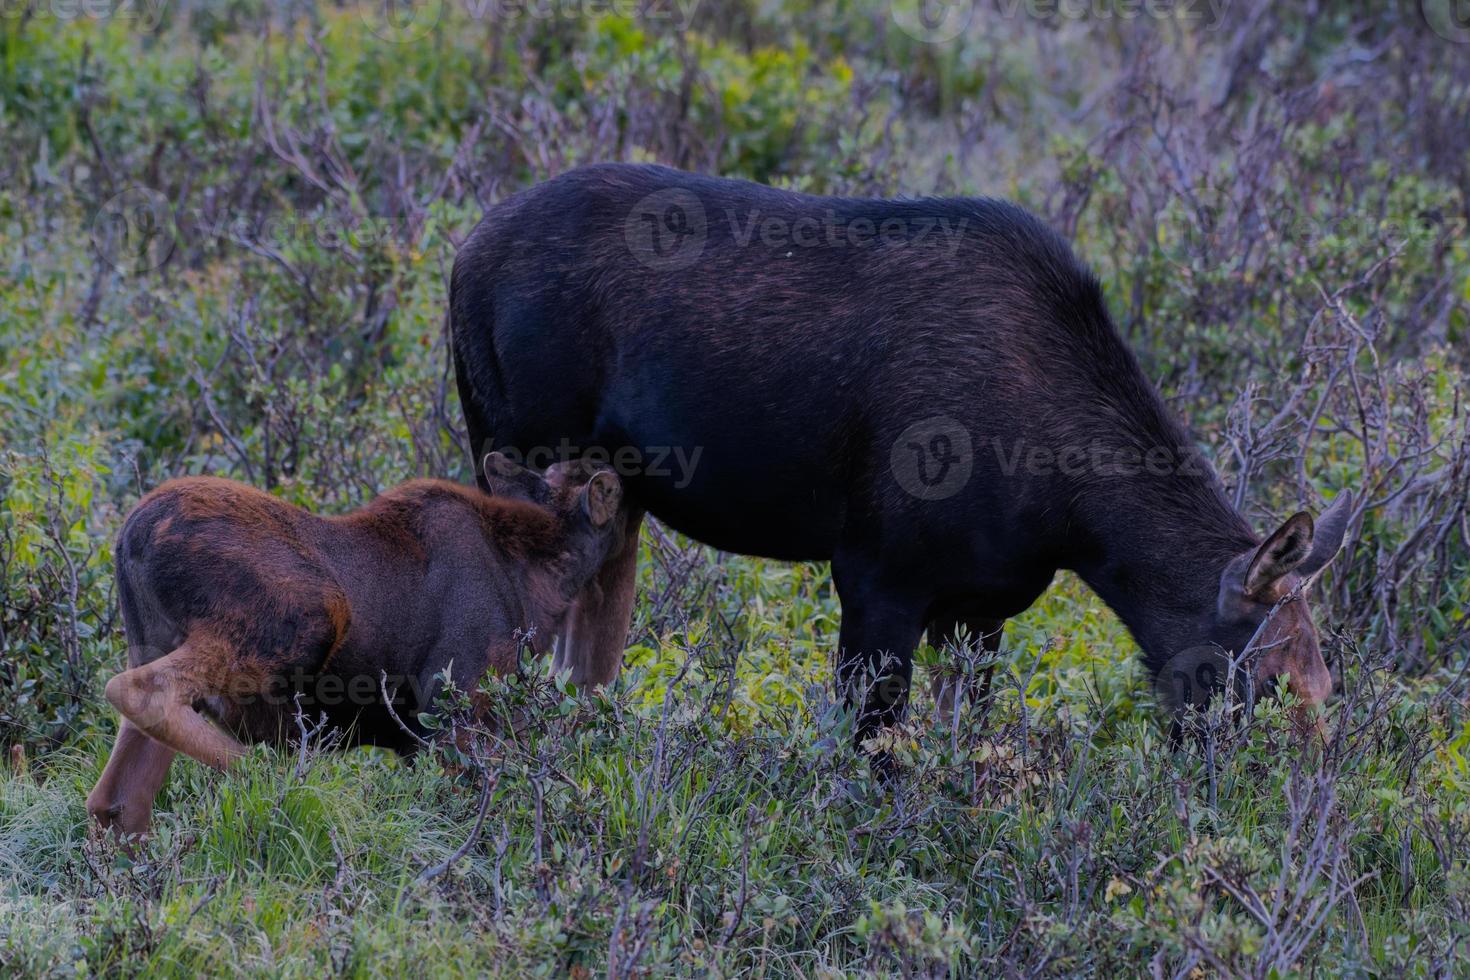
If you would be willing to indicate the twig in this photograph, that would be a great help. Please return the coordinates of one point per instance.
(487, 789)
(388, 703)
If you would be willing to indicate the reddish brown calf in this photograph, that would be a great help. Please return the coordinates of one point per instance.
(240, 607)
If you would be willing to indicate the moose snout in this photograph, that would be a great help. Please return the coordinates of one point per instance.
(105, 812)
(110, 811)
(1307, 677)
(1308, 680)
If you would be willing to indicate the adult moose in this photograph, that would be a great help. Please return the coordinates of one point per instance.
(930, 393)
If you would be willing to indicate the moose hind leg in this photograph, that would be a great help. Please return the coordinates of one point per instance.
(949, 685)
(159, 698)
(122, 800)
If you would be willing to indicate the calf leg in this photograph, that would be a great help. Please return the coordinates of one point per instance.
(944, 633)
(123, 798)
(159, 698)
(596, 634)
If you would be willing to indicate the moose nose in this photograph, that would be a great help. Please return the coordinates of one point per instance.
(104, 811)
(1307, 676)
(1310, 683)
(114, 814)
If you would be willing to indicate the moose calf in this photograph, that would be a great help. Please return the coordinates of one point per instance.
(237, 604)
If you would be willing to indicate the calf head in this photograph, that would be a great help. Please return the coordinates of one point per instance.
(1262, 608)
(587, 500)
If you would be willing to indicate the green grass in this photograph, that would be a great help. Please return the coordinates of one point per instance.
(656, 826)
(1290, 264)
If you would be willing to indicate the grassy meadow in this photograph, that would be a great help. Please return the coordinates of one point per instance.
(226, 231)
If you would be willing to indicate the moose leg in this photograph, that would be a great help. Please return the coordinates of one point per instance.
(880, 629)
(159, 698)
(122, 800)
(477, 426)
(597, 626)
(944, 634)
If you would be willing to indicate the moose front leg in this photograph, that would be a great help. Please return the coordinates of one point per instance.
(880, 629)
(591, 645)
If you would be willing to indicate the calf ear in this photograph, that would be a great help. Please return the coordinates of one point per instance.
(601, 497)
(1283, 552)
(507, 478)
(1330, 530)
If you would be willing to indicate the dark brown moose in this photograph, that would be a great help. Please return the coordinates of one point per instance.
(242, 610)
(929, 393)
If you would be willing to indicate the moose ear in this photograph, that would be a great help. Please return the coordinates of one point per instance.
(507, 478)
(1282, 553)
(601, 497)
(1330, 530)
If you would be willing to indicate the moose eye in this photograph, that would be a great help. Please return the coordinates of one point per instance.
(1249, 613)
